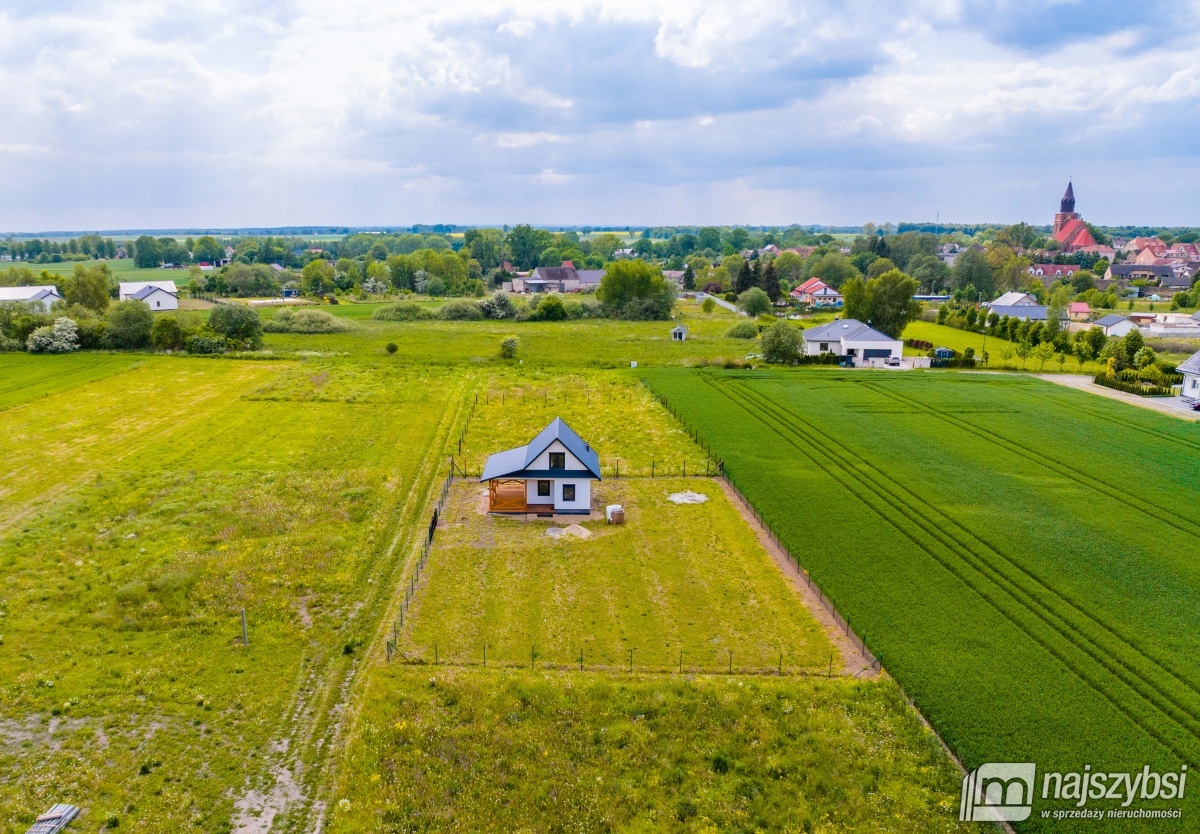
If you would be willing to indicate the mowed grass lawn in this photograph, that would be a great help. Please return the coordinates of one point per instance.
(140, 512)
(673, 578)
(1022, 555)
(25, 377)
(468, 750)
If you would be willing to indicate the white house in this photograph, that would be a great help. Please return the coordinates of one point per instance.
(553, 473)
(44, 295)
(851, 338)
(1014, 299)
(1190, 392)
(1116, 325)
(157, 295)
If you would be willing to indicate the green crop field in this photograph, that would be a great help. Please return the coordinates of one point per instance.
(140, 513)
(688, 579)
(1022, 555)
(24, 377)
(123, 269)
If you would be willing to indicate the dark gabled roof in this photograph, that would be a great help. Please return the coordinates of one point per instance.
(515, 463)
(555, 273)
(590, 276)
(1110, 320)
(1191, 365)
(1157, 270)
(147, 291)
(848, 330)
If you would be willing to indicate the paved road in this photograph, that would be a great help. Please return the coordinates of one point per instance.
(721, 302)
(1171, 406)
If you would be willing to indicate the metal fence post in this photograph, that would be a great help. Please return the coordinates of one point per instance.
(245, 636)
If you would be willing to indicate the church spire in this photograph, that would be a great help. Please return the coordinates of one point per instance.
(1068, 201)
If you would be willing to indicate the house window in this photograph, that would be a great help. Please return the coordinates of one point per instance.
(568, 492)
(1192, 384)
(824, 347)
(558, 460)
(543, 489)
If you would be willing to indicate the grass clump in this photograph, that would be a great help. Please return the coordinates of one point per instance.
(305, 320)
(403, 311)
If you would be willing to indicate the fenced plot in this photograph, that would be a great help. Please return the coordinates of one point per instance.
(676, 588)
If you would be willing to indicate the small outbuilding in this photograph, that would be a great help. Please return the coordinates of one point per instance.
(553, 473)
(1189, 392)
(679, 334)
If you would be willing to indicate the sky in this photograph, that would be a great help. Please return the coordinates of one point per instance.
(225, 113)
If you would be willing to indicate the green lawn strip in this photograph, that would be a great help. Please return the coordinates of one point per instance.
(673, 578)
(125, 689)
(993, 693)
(483, 750)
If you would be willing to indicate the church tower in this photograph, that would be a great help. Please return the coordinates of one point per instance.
(1066, 210)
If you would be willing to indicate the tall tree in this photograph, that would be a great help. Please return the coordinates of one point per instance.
(689, 278)
(770, 282)
(886, 302)
(88, 287)
(745, 278)
(147, 252)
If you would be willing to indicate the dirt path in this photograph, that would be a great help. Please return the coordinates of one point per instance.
(855, 661)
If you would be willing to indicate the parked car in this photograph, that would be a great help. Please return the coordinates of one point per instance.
(894, 361)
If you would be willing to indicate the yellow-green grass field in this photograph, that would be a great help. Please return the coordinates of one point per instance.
(139, 513)
(470, 750)
(124, 269)
(673, 579)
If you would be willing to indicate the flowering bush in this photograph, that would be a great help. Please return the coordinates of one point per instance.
(60, 337)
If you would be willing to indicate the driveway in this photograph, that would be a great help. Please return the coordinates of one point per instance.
(1171, 406)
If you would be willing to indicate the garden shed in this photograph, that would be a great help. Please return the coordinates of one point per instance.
(679, 334)
(550, 474)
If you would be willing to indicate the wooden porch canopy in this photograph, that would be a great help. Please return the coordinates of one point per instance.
(506, 495)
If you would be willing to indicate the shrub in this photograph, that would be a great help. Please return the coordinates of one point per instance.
(435, 286)
(129, 325)
(92, 328)
(731, 297)
(391, 347)
(8, 345)
(636, 291)
(498, 305)
(742, 330)
(305, 320)
(460, 310)
(755, 302)
(549, 308)
(781, 343)
(509, 347)
(206, 342)
(239, 324)
(404, 311)
(20, 318)
(60, 337)
(167, 334)
(708, 306)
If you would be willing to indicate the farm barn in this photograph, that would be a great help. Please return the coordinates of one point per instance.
(550, 474)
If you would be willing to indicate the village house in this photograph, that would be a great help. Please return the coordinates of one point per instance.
(159, 296)
(45, 295)
(1079, 311)
(1124, 273)
(1115, 325)
(816, 292)
(1050, 273)
(1190, 392)
(1013, 299)
(550, 474)
(852, 338)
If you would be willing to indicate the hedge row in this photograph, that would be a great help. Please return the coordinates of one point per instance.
(1133, 387)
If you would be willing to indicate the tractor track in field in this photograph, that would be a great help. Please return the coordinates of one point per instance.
(1177, 713)
(1190, 526)
(1057, 601)
(298, 780)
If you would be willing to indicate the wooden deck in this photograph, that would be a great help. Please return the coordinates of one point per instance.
(507, 496)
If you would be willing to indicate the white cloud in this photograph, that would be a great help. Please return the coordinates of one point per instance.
(257, 111)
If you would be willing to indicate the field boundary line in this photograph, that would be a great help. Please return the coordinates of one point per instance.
(832, 472)
(345, 723)
(836, 628)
